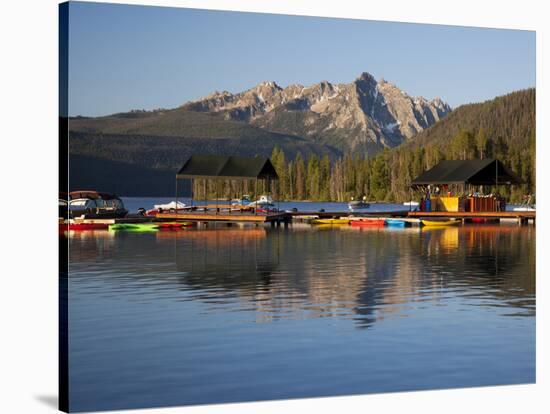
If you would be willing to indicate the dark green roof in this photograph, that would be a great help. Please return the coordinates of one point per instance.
(488, 171)
(227, 167)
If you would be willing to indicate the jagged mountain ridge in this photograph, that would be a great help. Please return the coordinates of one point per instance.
(364, 115)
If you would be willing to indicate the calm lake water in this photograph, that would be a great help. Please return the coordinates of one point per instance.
(226, 314)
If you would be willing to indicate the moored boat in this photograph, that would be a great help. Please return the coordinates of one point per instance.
(440, 223)
(264, 201)
(243, 201)
(331, 221)
(525, 208)
(88, 226)
(94, 204)
(397, 222)
(174, 225)
(171, 207)
(134, 227)
(364, 222)
(355, 205)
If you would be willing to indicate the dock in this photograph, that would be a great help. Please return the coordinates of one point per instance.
(336, 214)
(521, 216)
(286, 217)
(275, 218)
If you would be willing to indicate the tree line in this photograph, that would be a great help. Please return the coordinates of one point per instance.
(388, 175)
(385, 177)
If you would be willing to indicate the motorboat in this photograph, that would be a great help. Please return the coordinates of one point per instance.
(264, 201)
(95, 205)
(355, 205)
(525, 208)
(171, 207)
(243, 201)
(527, 204)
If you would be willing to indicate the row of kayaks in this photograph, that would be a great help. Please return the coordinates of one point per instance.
(392, 222)
(139, 227)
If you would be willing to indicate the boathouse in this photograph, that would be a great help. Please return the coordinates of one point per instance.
(487, 171)
(213, 169)
(453, 185)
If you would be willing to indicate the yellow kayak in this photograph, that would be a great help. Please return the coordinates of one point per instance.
(440, 223)
(330, 221)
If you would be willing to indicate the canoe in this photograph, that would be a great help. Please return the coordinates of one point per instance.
(330, 221)
(133, 227)
(440, 223)
(368, 222)
(88, 226)
(397, 222)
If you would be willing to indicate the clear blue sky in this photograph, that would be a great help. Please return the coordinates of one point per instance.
(137, 57)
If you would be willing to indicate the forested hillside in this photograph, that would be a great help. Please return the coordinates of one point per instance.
(502, 128)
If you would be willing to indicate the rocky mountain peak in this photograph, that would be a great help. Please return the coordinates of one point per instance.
(365, 76)
(363, 115)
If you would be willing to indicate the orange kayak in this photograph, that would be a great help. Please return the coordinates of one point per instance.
(368, 222)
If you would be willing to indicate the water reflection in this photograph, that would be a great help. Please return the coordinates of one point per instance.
(205, 315)
(366, 275)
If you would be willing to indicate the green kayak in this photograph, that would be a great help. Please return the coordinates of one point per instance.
(134, 227)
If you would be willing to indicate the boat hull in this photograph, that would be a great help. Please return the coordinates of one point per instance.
(397, 223)
(88, 226)
(440, 223)
(330, 221)
(138, 227)
(368, 223)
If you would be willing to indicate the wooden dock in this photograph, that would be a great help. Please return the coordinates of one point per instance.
(228, 217)
(336, 214)
(521, 216)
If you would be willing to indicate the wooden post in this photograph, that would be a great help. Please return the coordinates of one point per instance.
(176, 196)
(192, 193)
(256, 195)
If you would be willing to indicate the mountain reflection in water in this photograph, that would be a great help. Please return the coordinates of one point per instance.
(463, 287)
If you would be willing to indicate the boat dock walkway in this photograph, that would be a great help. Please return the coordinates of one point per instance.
(228, 217)
(286, 217)
(521, 216)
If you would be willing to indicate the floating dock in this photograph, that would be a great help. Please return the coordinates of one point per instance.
(521, 216)
(336, 214)
(228, 217)
(278, 218)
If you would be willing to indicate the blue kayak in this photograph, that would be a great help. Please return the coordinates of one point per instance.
(396, 222)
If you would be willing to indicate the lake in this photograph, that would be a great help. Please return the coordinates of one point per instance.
(226, 314)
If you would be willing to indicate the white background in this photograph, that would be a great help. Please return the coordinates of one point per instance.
(28, 243)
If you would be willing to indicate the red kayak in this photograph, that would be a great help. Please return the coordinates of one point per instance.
(88, 226)
(173, 225)
(368, 222)
(482, 220)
